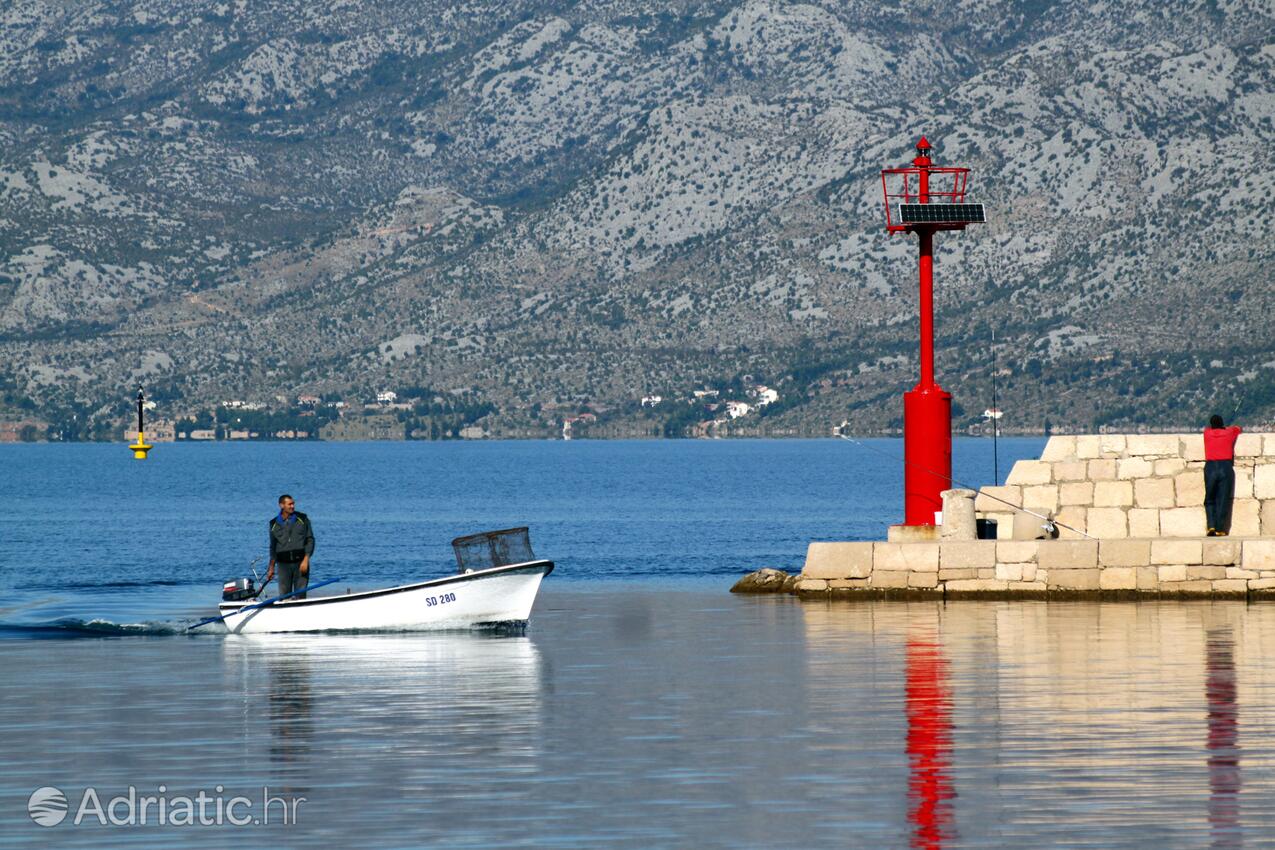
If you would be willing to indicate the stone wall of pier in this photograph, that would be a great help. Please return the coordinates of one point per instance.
(1116, 486)
(1138, 498)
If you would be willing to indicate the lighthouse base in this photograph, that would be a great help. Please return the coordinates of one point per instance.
(927, 452)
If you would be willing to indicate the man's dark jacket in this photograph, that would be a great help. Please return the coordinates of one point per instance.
(292, 540)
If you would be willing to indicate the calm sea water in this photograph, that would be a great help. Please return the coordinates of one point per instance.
(644, 707)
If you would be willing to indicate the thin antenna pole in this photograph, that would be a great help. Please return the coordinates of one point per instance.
(996, 427)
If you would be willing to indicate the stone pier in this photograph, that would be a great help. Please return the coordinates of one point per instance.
(1130, 510)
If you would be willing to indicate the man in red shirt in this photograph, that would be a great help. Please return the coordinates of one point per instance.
(1219, 474)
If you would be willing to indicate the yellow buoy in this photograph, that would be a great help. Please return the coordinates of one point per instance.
(140, 448)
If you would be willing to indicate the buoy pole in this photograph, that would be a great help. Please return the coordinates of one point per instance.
(140, 447)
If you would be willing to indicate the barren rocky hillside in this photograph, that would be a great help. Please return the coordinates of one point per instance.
(549, 206)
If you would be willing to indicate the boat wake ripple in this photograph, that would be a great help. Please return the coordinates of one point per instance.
(70, 627)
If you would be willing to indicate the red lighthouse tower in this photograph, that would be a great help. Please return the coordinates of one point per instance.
(924, 199)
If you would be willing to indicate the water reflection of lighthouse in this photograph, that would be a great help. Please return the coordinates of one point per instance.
(929, 745)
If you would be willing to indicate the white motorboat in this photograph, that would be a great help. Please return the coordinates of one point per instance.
(496, 594)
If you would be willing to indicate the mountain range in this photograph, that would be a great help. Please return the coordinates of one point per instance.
(544, 208)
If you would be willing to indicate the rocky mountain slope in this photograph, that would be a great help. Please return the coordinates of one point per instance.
(549, 205)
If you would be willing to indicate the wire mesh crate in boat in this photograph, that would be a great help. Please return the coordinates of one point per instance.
(493, 549)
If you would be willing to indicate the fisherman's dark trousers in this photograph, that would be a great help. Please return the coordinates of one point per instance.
(1219, 492)
(290, 578)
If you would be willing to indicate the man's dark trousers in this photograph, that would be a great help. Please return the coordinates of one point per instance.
(1219, 493)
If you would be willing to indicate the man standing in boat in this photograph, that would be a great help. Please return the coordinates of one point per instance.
(291, 545)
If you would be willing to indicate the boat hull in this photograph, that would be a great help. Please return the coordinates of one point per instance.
(500, 596)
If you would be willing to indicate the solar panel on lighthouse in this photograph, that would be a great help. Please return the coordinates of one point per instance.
(941, 213)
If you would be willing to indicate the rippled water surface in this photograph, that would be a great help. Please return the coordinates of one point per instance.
(644, 707)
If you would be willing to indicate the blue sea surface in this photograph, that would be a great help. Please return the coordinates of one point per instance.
(86, 531)
(645, 707)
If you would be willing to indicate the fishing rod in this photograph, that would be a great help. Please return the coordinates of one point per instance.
(1050, 522)
(272, 601)
(996, 420)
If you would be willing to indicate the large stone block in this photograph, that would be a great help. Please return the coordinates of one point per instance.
(1009, 572)
(1154, 493)
(1067, 554)
(1059, 448)
(1106, 523)
(1118, 578)
(1168, 467)
(1016, 551)
(1221, 552)
(1144, 522)
(1102, 470)
(983, 584)
(967, 554)
(1249, 445)
(1177, 552)
(1230, 586)
(1189, 487)
(1246, 518)
(1031, 472)
(1075, 579)
(1258, 555)
(1268, 446)
(812, 585)
(1088, 446)
(889, 579)
(1129, 468)
(1113, 494)
(998, 498)
(1154, 444)
(913, 557)
(847, 583)
(1200, 587)
(1193, 447)
(1148, 578)
(1171, 573)
(1004, 524)
(1268, 518)
(1124, 553)
(1182, 522)
(913, 533)
(1079, 493)
(1113, 444)
(1264, 481)
(1076, 470)
(1042, 498)
(950, 575)
(1261, 584)
(922, 580)
(1205, 572)
(1240, 572)
(831, 560)
(1072, 522)
(1243, 483)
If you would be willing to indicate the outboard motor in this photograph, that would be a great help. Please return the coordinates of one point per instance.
(238, 590)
